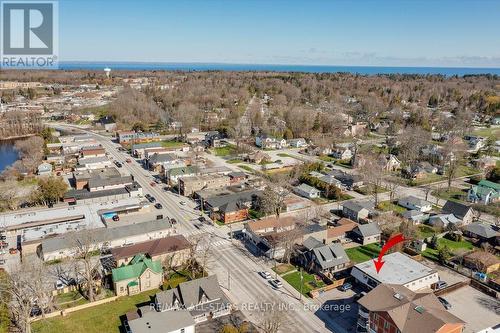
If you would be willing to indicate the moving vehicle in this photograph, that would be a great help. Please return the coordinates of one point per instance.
(151, 199)
(12, 250)
(153, 184)
(276, 283)
(346, 286)
(266, 275)
(118, 164)
(183, 203)
(173, 221)
(3, 244)
(115, 218)
(445, 303)
(128, 160)
(158, 205)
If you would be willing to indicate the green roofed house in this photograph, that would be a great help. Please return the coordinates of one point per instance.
(139, 275)
(484, 192)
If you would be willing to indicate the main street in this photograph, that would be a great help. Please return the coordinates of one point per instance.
(236, 269)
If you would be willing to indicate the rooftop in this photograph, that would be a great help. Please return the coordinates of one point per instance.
(398, 269)
(152, 248)
(160, 322)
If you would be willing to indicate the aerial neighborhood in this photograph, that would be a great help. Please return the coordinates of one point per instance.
(166, 202)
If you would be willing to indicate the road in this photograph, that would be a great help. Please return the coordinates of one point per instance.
(236, 269)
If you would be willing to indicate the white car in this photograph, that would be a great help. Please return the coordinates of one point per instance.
(276, 283)
(183, 203)
(265, 275)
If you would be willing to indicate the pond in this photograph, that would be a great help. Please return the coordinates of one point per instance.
(8, 154)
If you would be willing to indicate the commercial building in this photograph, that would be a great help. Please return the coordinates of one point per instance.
(104, 238)
(398, 269)
(92, 163)
(135, 137)
(189, 185)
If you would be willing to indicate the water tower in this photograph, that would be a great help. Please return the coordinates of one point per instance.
(107, 70)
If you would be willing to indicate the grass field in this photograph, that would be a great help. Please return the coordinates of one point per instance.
(171, 144)
(453, 246)
(225, 151)
(283, 268)
(363, 253)
(386, 206)
(425, 231)
(453, 194)
(101, 318)
(234, 161)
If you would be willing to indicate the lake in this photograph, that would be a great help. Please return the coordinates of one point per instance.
(8, 154)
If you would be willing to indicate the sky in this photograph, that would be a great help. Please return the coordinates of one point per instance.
(449, 33)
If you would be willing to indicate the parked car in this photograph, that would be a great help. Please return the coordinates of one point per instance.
(276, 283)
(440, 285)
(157, 181)
(2, 261)
(3, 244)
(153, 184)
(59, 285)
(445, 303)
(266, 275)
(12, 250)
(202, 219)
(118, 164)
(116, 218)
(183, 203)
(173, 221)
(3, 237)
(152, 199)
(128, 160)
(346, 286)
(158, 205)
(147, 196)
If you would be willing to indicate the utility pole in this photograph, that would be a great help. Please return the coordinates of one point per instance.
(228, 280)
(231, 233)
(301, 283)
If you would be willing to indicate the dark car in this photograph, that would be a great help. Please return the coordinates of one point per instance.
(147, 196)
(445, 303)
(116, 218)
(152, 199)
(346, 286)
(118, 164)
(158, 205)
(202, 219)
(173, 221)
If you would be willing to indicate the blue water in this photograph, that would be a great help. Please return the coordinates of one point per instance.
(364, 70)
(8, 154)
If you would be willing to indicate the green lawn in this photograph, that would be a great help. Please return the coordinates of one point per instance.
(308, 283)
(453, 246)
(363, 253)
(101, 318)
(246, 168)
(284, 155)
(172, 144)
(464, 170)
(225, 151)
(326, 158)
(453, 194)
(425, 231)
(429, 178)
(386, 206)
(70, 299)
(175, 279)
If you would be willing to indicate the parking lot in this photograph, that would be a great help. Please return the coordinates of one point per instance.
(451, 277)
(478, 310)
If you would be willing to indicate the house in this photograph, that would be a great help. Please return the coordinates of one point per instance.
(203, 298)
(414, 203)
(108, 123)
(482, 231)
(140, 274)
(340, 230)
(461, 211)
(482, 261)
(342, 153)
(307, 191)
(357, 210)
(348, 181)
(230, 207)
(146, 320)
(485, 162)
(297, 143)
(258, 157)
(331, 180)
(268, 142)
(92, 163)
(156, 160)
(174, 248)
(237, 177)
(391, 163)
(320, 258)
(262, 234)
(366, 233)
(44, 169)
(485, 192)
(172, 175)
(92, 151)
(395, 308)
(398, 269)
(415, 216)
(442, 220)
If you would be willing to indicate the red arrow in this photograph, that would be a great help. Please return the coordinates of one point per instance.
(390, 243)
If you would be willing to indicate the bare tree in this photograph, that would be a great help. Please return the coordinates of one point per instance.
(26, 287)
(272, 200)
(453, 152)
(272, 322)
(373, 172)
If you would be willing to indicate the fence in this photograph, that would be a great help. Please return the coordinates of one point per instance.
(75, 308)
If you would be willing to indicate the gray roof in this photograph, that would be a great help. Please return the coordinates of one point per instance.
(98, 182)
(367, 230)
(90, 160)
(159, 322)
(415, 201)
(398, 269)
(482, 229)
(311, 242)
(445, 218)
(330, 255)
(221, 200)
(193, 291)
(160, 158)
(357, 206)
(167, 299)
(101, 235)
(456, 208)
(306, 188)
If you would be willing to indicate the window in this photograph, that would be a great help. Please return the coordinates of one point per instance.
(386, 325)
(183, 330)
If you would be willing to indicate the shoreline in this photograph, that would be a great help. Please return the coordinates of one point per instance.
(16, 137)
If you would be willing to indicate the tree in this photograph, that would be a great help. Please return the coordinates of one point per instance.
(272, 322)
(50, 190)
(444, 254)
(434, 243)
(453, 152)
(273, 198)
(373, 172)
(31, 152)
(24, 289)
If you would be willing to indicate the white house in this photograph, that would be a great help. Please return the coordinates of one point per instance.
(268, 142)
(342, 153)
(297, 143)
(307, 191)
(415, 203)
